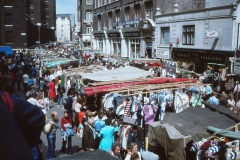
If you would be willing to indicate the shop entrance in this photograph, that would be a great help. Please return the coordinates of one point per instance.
(148, 53)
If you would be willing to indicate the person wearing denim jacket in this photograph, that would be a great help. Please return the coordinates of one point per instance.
(51, 137)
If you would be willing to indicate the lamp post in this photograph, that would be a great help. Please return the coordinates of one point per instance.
(39, 40)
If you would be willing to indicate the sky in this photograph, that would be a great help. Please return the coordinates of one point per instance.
(67, 6)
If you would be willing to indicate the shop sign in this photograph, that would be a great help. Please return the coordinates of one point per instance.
(182, 55)
(164, 54)
(210, 58)
(131, 34)
(99, 35)
(212, 34)
(115, 24)
(113, 34)
(131, 22)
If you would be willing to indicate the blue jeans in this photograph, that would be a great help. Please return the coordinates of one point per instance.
(35, 152)
(51, 145)
(60, 99)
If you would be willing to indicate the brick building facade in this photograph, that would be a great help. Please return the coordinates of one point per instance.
(18, 28)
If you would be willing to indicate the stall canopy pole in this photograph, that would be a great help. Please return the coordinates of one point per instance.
(144, 129)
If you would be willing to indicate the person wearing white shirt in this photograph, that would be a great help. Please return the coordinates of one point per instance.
(25, 81)
(33, 101)
(52, 77)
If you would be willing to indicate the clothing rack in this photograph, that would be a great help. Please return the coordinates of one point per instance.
(154, 88)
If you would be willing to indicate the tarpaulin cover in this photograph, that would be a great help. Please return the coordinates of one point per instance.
(229, 134)
(223, 110)
(90, 91)
(170, 138)
(194, 121)
(124, 73)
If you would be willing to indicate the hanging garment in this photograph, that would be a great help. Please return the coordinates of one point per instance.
(108, 101)
(181, 102)
(120, 109)
(196, 100)
(149, 111)
(162, 110)
(161, 97)
(127, 110)
(139, 115)
(208, 90)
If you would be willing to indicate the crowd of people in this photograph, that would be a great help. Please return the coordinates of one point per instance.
(96, 130)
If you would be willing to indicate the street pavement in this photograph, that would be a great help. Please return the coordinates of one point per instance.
(76, 141)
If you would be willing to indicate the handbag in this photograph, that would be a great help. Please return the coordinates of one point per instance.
(47, 128)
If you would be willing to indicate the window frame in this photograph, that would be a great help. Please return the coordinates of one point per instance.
(8, 19)
(162, 41)
(88, 30)
(89, 2)
(188, 35)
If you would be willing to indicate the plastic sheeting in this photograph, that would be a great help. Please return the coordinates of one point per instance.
(170, 138)
(124, 73)
(194, 121)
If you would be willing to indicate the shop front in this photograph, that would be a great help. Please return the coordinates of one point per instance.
(115, 43)
(214, 64)
(99, 40)
(133, 44)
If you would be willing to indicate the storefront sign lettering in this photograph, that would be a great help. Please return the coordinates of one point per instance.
(131, 34)
(164, 54)
(210, 58)
(99, 35)
(113, 35)
(182, 55)
(131, 22)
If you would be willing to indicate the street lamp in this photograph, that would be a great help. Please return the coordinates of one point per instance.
(39, 25)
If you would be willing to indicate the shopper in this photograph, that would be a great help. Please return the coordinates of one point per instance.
(66, 126)
(51, 137)
(107, 135)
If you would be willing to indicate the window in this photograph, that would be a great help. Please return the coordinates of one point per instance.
(137, 11)
(31, 6)
(116, 46)
(165, 35)
(188, 35)
(89, 15)
(149, 10)
(99, 23)
(9, 36)
(100, 44)
(32, 15)
(88, 30)
(110, 20)
(89, 1)
(110, 1)
(46, 6)
(8, 18)
(127, 13)
(117, 14)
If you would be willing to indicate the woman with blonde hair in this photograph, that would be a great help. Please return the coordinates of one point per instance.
(41, 101)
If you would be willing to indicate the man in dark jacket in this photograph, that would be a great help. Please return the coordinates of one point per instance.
(69, 103)
(88, 136)
(21, 126)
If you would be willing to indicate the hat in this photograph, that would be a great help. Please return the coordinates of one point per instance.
(84, 120)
